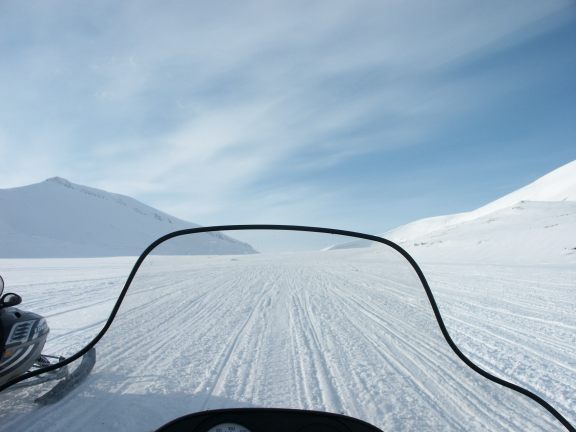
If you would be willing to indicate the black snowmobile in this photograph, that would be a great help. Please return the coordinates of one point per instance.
(22, 338)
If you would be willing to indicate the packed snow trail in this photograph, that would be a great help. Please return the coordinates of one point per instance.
(514, 321)
(340, 331)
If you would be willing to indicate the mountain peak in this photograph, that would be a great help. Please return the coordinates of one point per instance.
(59, 180)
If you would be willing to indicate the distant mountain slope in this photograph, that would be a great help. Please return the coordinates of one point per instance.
(536, 223)
(57, 218)
(526, 233)
(558, 185)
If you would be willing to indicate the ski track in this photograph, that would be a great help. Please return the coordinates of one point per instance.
(347, 335)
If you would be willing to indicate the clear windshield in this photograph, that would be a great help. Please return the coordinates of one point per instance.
(298, 325)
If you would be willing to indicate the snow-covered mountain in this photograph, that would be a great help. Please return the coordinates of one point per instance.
(525, 233)
(536, 223)
(558, 185)
(57, 218)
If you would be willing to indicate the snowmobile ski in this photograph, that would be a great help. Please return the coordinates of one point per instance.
(72, 381)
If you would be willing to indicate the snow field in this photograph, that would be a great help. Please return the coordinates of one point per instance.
(345, 331)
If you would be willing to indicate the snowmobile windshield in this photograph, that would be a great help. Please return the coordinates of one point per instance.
(287, 317)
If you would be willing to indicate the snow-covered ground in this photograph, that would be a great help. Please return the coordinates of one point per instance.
(346, 331)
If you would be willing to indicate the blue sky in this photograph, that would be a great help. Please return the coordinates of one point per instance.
(359, 115)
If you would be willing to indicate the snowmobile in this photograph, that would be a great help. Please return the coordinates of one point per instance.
(22, 338)
(157, 300)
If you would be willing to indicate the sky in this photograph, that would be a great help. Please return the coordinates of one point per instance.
(359, 115)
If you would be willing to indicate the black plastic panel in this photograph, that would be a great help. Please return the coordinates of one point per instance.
(269, 419)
